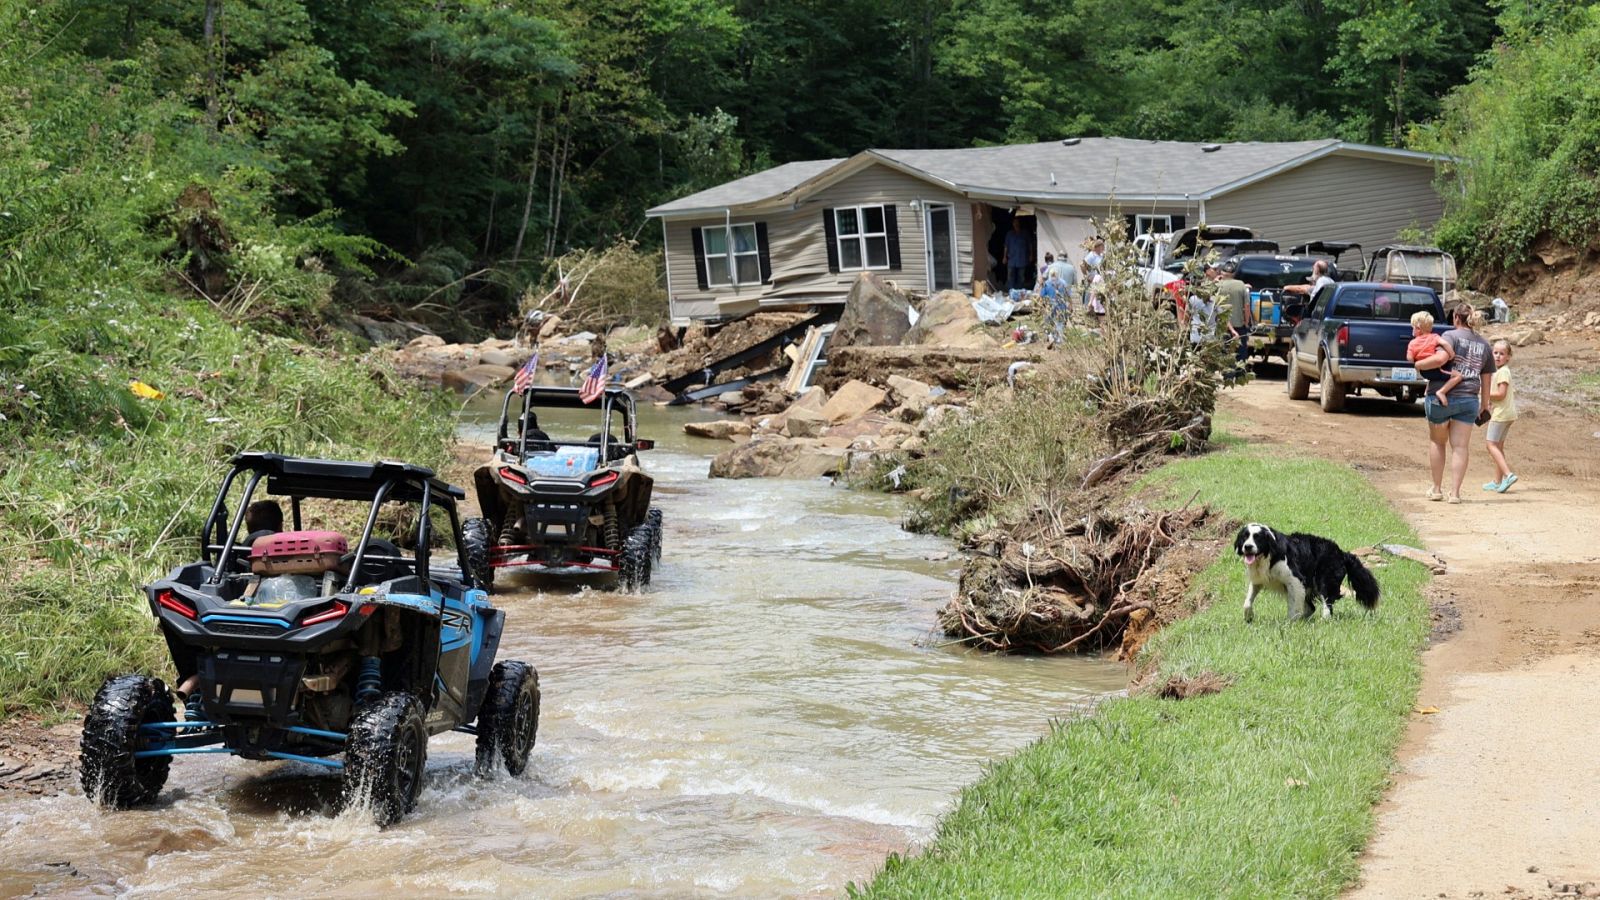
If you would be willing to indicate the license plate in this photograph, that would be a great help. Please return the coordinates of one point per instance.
(1404, 375)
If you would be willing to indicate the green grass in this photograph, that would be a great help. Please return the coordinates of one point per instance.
(1263, 790)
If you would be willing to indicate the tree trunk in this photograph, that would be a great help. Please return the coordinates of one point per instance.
(533, 173)
(560, 177)
(213, 63)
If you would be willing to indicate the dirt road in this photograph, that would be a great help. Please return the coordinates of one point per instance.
(1498, 794)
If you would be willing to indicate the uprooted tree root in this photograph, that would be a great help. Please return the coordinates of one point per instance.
(1182, 687)
(1076, 587)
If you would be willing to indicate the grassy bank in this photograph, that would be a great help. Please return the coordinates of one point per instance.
(1262, 790)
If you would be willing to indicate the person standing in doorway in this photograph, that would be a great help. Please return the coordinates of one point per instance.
(1016, 258)
(1237, 295)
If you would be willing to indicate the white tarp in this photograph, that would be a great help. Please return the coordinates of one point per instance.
(1059, 233)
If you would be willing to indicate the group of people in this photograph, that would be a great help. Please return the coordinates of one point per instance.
(1058, 282)
(1469, 384)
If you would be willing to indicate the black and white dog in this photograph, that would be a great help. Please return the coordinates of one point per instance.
(1303, 566)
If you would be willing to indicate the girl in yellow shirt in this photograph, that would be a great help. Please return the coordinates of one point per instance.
(1503, 403)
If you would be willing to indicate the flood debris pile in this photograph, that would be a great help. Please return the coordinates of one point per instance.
(1075, 586)
(1034, 480)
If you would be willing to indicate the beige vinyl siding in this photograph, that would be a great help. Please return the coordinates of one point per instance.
(1336, 198)
(798, 246)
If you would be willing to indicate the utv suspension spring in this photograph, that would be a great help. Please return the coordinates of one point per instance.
(369, 681)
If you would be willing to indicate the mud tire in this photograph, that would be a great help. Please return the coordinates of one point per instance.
(1331, 392)
(508, 722)
(1299, 385)
(385, 757)
(635, 559)
(476, 539)
(654, 519)
(110, 774)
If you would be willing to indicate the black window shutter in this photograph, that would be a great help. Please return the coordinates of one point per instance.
(1177, 223)
(766, 254)
(831, 232)
(1133, 225)
(699, 259)
(891, 225)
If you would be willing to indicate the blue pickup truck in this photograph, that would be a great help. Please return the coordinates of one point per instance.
(1354, 336)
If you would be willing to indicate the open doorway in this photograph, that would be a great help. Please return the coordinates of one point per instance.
(1001, 275)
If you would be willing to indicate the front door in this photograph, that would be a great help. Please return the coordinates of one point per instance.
(940, 227)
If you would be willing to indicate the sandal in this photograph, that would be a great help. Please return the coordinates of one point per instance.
(1453, 498)
(1434, 494)
(1507, 483)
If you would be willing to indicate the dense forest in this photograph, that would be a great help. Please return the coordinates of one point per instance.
(469, 131)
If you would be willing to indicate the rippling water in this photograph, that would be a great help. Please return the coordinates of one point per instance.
(770, 718)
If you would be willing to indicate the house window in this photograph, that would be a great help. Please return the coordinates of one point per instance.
(1149, 224)
(728, 265)
(863, 237)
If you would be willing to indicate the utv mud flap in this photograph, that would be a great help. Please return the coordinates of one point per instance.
(493, 622)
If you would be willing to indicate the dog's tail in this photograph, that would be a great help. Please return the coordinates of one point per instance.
(1366, 586)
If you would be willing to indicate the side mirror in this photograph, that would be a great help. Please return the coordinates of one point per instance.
(644, 444)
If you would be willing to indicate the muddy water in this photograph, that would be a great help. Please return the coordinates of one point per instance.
(769, 719)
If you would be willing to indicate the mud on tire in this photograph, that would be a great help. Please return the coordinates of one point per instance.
(476, 538)
(111, 776)
(508, 723)
(636, 558)
(654, 519)
(385, 756)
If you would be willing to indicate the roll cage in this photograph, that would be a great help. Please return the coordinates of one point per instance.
(300, 478)
(518, 407)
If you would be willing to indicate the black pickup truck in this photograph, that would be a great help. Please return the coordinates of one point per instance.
(1354, 335)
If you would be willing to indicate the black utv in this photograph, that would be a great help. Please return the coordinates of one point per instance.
(299, 645)
(566, 504)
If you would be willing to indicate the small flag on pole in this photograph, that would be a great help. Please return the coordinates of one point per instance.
(594, 383)
(524, 379)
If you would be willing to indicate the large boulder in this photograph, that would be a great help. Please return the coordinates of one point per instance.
(497, 357)
(948, 320)
(813, 399)
(721, 429)
(805, 423)
(476, 377)
(853, 400)
(769, 456)
(876, 314)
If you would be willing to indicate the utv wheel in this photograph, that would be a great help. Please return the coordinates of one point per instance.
(476, 538)
(508, 723)
(635, 559)
(1299, 385)
(384, 757)
(1331, 392)
(653, 518)
(112, 776)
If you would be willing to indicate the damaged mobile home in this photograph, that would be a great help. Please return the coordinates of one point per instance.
(930, 220)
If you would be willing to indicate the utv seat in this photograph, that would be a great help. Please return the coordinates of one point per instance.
(373, 569)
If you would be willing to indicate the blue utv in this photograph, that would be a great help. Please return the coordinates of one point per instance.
(294, 645)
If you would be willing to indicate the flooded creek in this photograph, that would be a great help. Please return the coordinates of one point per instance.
(770, 717)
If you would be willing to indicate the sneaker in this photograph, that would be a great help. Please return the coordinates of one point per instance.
(1493, 486)
(1506, 483)
(1434, 494)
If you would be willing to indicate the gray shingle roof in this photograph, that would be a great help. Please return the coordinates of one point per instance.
(749, 189)
(1101, 167)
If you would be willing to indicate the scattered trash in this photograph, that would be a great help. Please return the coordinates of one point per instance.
(896, 474)
(1426, 710)
(145, 391)
(1013, 370)
(1294, 783)
(993, 310)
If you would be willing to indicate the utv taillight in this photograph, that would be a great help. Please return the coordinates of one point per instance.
(513, 475)
(603, 480)
(337, 610)
(169, 600)
(1343, 336)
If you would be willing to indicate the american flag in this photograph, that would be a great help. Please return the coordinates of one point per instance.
(594, 383)
(525, 375)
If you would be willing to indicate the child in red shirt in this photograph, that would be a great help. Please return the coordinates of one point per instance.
(1424, 343)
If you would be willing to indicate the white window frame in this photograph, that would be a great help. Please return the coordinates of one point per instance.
(861, 236)
(1139, 223)
(731, 256)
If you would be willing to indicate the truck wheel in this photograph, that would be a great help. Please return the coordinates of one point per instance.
(1299, 385)
(1332, 391)
(476, 539)
(384, 757)
(112, 776)
(508, 723)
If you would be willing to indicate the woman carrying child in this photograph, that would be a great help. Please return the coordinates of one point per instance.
(1503, 406)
